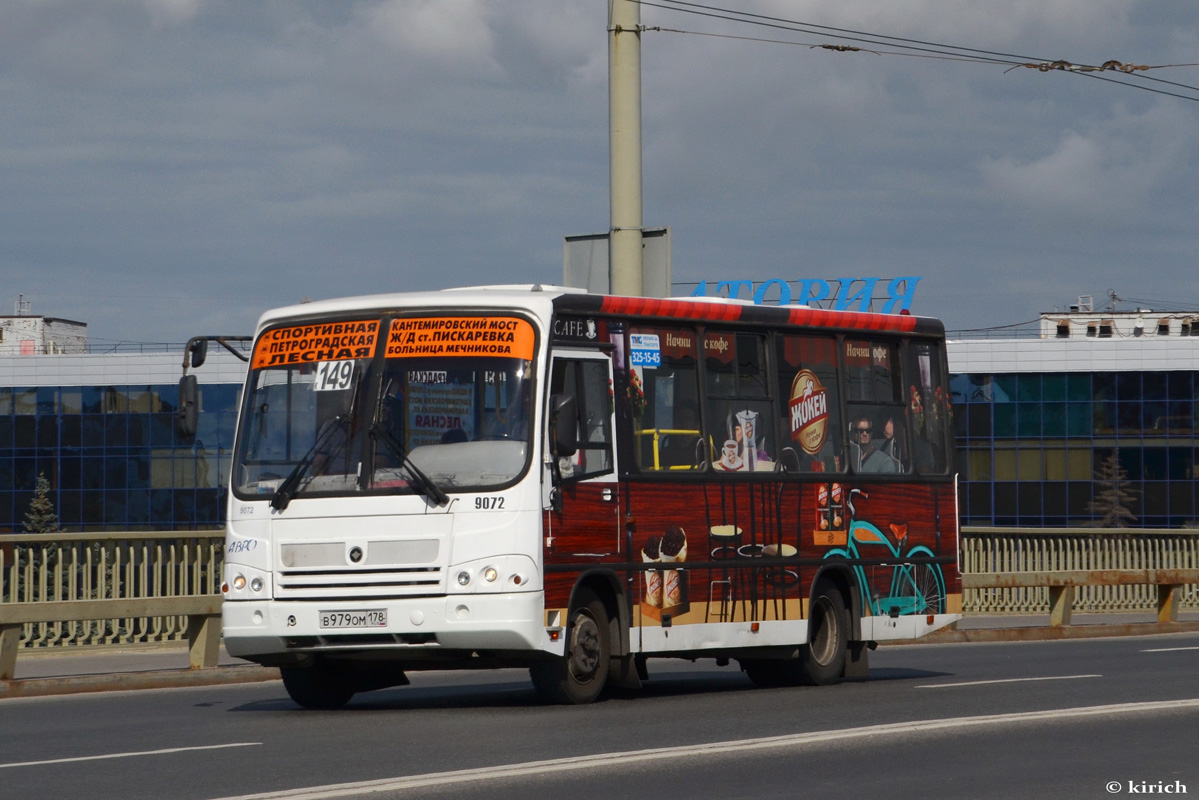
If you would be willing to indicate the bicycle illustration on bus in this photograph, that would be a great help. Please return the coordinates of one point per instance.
(915, 588)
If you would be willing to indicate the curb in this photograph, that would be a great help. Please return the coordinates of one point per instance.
(1050, 633)
(126, 681)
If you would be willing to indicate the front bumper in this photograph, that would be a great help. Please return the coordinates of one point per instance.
(258, 630)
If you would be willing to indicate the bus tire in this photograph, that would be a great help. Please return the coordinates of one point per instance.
(765, 672)
(321, 686)
(579, 676)
(822, 659)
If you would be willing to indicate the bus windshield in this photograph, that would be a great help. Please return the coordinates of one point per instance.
(426, 420)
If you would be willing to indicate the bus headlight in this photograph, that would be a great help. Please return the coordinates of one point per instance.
(245, 583)
(493, 574)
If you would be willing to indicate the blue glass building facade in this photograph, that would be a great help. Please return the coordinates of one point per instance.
(109, 450)
(1030, 445)
(1035, 419)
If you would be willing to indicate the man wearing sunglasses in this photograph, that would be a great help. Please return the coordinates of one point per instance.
(864, 452)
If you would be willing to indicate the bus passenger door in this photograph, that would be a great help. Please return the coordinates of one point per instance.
(584, 520)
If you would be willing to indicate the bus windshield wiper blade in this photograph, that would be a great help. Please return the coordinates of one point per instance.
(285, 493)
(422, 481)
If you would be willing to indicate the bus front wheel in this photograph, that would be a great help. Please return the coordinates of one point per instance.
(579, 676)
(321, 686)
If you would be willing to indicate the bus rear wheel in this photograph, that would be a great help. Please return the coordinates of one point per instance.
(579, 676)
(322, 686)
(822, 660)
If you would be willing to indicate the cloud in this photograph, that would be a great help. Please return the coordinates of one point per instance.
(172, 12)
(453, 35)
(166, 160)
(1113, 171)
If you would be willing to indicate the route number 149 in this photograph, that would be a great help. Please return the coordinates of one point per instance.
(333, 376)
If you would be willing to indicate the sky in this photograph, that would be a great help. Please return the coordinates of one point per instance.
(172, 168)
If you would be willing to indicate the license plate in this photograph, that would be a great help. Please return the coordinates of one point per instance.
(375, 618)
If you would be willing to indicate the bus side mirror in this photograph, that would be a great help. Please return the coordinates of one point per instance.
(189, 406)
(564, 425)
(197, 352)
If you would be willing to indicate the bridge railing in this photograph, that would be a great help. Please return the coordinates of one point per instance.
(1026, 570)
(87, 589)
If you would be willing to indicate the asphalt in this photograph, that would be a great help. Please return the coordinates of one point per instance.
(73, 671)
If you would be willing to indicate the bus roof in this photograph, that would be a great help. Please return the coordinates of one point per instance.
(544, 298)
(721, 310)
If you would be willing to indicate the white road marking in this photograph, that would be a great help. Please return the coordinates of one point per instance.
(1169, 649)
(1005, 680)
(693, 751)
(128, 755)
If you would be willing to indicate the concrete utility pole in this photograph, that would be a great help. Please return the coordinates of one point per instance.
(624, 137)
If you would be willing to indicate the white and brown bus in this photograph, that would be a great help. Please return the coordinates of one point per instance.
(574, 483)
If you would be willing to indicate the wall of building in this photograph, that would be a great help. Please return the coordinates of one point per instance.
(1036, 418)
(30, 336)
(101, 429)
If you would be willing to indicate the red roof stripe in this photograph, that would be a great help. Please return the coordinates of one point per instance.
(727, 312)
(657, 307)
(852, 319)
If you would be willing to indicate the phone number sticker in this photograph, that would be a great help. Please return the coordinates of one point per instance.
(645, 350)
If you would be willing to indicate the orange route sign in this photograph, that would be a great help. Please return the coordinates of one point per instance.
(500, 337)
(326, 341)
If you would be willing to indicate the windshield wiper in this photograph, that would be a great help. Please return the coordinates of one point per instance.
(423, 482)
(285, 493)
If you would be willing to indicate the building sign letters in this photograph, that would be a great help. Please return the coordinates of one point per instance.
(840, 294)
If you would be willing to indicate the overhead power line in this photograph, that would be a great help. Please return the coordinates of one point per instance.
(883, 44)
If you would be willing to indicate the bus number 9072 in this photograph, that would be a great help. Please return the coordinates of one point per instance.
(489, 503)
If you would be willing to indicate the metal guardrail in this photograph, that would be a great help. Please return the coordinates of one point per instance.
(66, 590)
(87, 589)
(1062, 584)
(1027, 570)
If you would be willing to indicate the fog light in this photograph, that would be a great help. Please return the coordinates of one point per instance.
(463, 578)
(239, 582)
(490, 574)
(256, 584)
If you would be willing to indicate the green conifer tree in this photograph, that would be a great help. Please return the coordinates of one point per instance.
(1114, 494)
(41, 516)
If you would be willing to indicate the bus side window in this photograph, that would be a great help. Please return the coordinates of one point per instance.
(587, 380)
(740, 421)
(928, 409)
(663, 398)
(810, 429)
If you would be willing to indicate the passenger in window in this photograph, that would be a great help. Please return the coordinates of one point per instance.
(893, 443)
(864, 452)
